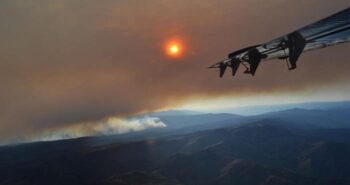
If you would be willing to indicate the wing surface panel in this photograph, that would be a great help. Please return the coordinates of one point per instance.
(329, 31)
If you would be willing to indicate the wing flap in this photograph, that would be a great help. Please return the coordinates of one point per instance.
(254, 59)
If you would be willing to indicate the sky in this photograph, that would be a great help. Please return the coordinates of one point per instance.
(66, 63)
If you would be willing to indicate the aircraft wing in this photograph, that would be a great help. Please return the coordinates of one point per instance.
(329, 31)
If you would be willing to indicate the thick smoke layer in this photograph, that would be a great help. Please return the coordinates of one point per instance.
(66, 62)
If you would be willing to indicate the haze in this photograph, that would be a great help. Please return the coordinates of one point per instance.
(64, 62)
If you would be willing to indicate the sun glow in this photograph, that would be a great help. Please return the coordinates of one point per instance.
(174, 49)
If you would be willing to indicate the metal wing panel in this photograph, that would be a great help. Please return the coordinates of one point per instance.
(332, 30)
(334, 21)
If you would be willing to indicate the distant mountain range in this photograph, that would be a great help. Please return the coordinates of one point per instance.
(263, 109)
(289, 147)
(174, 113)
(325, 115)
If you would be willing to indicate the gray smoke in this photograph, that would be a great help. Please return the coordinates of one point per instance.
(109, 126)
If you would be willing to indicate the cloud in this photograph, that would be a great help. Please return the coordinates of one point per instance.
(69, 62)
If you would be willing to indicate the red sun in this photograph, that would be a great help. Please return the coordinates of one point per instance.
(174, 48)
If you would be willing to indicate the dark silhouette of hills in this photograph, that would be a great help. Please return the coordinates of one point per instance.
(291, 147)
(257, 153)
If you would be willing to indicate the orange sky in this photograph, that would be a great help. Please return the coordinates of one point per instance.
(64, 62)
